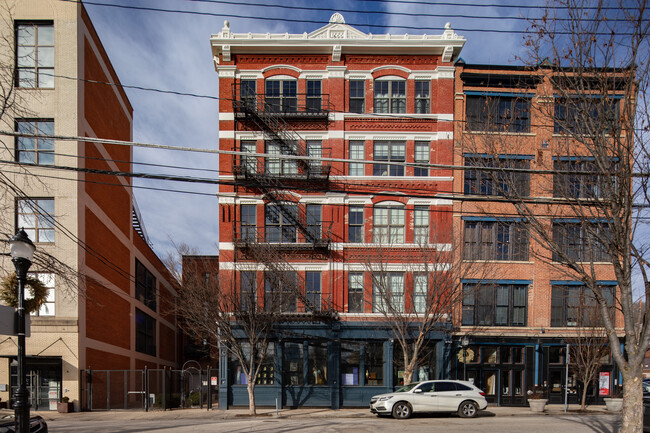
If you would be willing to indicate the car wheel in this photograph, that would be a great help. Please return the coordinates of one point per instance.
(402, 410)
(467, 409)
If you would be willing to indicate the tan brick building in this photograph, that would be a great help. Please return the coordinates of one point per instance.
(116, 313)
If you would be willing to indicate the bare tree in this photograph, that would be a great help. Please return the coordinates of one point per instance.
(229, 315)
(417, 290)
(592, 62)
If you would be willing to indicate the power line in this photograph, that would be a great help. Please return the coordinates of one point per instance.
(325, 22)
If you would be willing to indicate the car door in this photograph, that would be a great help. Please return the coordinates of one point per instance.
(448, 396)
(424, 399)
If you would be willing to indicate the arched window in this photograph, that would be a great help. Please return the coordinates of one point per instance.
(390, 95)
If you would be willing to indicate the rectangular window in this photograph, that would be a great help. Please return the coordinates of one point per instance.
(145, 333)
(36, 217)
(248, 92)
(500, 181)
(314, 221)
(248, 292)
(421, 157)
(281, 96)
(47, 307)
(496, 240)
(421, 225)
(388, 292)
(393, 151)
(498, 113)
(280, 289)
(145, 285)
(582, 241)
(248, 222)
(578, 116)
(267, 367)
(357, 96)
(315, 151)
(35, 150)
(248, 163)
(576, 306)
(317, 363)
(390, 96)
(420, 291)
(355, 224)
(422, 97)
(495, 305)
(356, 152)
(374, 362)
(280, 223)
(35, 55)
(388, 224)
(355, 292)
(579, 179)
(350, 364)
(293, 364)
(313, 289)
(279, 166)
(314, 98)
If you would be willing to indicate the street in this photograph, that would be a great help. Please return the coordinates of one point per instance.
(488, 423)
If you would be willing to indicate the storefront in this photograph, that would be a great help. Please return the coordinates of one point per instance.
(43, 381)
(335, 365)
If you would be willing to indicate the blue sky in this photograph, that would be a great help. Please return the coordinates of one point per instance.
(172, 51)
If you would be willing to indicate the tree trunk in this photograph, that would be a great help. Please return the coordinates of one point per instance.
(251, 395)
(583, 401)
(632, 416)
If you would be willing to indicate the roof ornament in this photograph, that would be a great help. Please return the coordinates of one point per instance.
(225, 31)
(337, 18)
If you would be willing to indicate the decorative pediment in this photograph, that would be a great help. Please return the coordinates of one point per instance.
(337, 29)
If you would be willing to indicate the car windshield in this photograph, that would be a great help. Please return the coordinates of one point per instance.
(407, 388)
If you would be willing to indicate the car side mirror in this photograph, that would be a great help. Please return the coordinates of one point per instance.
(417, 391)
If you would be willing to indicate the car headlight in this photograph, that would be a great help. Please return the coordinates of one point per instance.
(385, 398)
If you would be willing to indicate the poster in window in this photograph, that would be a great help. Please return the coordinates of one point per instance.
(603, 383)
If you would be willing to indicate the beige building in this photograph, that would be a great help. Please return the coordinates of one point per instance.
(107, 305)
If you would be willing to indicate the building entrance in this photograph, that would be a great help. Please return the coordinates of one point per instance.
(43, 382)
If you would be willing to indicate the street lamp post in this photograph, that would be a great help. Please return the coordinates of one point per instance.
(22, 251)
(464, 342)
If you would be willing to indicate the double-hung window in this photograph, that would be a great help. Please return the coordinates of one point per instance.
(279, 166)
(390, 151)
(388, 292)
(355, 224)
(36, 217)
(420, 292)
(579, 179)
(280, 289)
(388, 224)
(390, 96)
(356, 152)
(421, 157)
(248, 290)
(281, 95)
(576, 305)
(35, 150)
(248, 92)
(497, 176)
(422, 97)
(495, 304)
(355, 292)
(248, 162)
(421, 225)
(35, 55)
(582, 241)
(357, 96)
(280, 223)
(314, 99)
(314, 221)
(585, 117)
(496, 240)
(47, 308)
(248, 222)
(313, 289)
(315, 152)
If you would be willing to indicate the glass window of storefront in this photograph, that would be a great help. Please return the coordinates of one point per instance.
(350, 363)
(374, 361)
(293, 374)
(317, 359)
(267, 369)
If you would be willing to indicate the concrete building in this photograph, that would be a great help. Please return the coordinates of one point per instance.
(113, 310)
(316, 229)
(520, 322)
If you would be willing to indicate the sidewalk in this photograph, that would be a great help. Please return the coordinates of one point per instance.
(551, 410)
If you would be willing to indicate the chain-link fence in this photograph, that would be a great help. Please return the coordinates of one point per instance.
(149, 389)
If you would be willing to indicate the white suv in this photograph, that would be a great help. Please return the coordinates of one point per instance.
(431, 396)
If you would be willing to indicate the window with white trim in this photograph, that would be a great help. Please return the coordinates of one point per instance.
(388, 224)
(390, 96)
(47, 307)
(355, 224)
(422, 96)
(357, 96)
(388, 151)
(421, 157)
(355, 292)
(421, 225)
(356, 152)
(281, 95)
(420, 290)
(388, 292)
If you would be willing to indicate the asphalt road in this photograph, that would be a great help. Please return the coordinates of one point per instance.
(596, 423)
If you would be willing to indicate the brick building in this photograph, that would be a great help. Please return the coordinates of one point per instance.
(310, 227)
(519, 324)
(115, 313)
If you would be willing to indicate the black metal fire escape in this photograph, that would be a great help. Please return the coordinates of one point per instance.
(273, 177)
